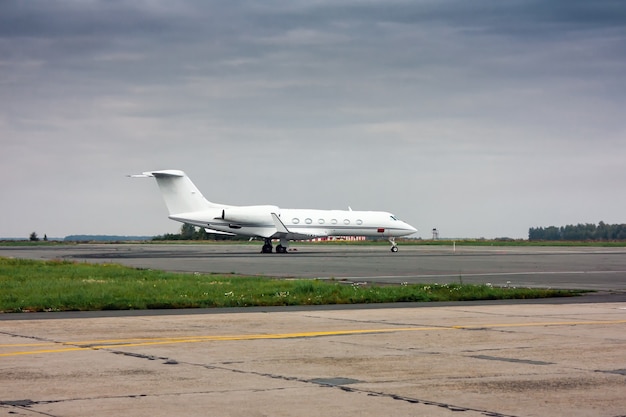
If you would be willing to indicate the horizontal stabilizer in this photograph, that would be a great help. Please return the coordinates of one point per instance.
(160, 174)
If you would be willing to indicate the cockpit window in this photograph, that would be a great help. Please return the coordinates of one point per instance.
(392, 217)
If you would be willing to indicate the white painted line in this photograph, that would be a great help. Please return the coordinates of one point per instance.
(486, 274)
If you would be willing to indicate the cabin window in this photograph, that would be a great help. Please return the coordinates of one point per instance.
(295, 220)
(321, 221)
(359, 222)
(308, 221)
(333, 221)
(346, 222)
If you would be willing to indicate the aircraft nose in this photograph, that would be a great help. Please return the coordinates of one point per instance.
(409, 229)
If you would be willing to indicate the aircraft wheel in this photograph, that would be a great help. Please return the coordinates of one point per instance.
(394, 249)
(266, 249)
(281, 249)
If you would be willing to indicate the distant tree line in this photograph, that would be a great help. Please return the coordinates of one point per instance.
(584, 232)
(104, 238)
(191, 232)
(34, 238)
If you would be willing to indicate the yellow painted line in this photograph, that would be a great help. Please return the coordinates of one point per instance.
(76, 346)
(140, 341)
(34, 352)
(539, 324)
(121, 343)
(29, 344)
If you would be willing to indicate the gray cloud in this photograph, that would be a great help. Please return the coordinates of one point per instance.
(481, 118)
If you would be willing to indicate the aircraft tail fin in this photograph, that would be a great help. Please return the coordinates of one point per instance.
(179, 193)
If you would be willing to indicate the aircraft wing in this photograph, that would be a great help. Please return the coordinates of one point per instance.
(282, 231)
(218, 232)
(280, 226)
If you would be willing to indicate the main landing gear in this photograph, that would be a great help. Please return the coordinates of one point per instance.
(394, 246)
(282, 247)
(267, 246)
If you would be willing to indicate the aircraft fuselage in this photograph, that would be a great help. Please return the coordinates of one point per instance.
(301, 223)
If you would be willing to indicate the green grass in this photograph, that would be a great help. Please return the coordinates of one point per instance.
(29, 285)
(519, 242)
(32, 243)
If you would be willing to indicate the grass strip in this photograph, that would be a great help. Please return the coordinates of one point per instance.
(32, 285)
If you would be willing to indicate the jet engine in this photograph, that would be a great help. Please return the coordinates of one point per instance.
(249, 214)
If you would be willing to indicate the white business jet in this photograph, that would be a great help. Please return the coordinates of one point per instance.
(186, 204)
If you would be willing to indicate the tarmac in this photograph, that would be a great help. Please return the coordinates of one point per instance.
(455, 359)
(592, 268)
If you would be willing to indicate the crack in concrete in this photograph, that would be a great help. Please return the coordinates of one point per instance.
(351, 389)
(170, 361)
(37, 338)
(513, 360)
(412, 400)
(377, 322)
(25, 405)
(315, 381)
(614, 372)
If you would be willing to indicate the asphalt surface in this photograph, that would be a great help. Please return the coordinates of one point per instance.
(555, 267)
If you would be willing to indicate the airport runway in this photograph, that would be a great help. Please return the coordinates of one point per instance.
(456, 359)
(556, 267)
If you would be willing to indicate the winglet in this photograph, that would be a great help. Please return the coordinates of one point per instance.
(280, 226)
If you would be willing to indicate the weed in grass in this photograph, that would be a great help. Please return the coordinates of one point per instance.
(27, 285)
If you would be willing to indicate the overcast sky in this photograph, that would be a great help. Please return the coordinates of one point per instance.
(481, 118)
